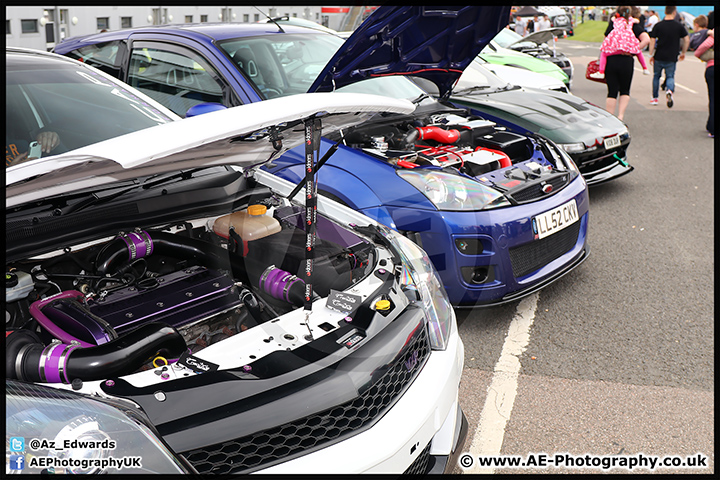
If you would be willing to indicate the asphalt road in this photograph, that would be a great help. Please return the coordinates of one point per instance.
(618, 356)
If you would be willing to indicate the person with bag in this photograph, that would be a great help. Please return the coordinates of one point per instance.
(621, 40)
(619, 69)
(709, 46)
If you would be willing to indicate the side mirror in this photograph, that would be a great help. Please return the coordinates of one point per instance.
(201, 108)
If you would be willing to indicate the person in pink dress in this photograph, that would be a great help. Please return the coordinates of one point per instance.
(620, 41)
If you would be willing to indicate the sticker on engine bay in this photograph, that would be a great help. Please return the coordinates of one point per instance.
(196, 364)
(345, 303)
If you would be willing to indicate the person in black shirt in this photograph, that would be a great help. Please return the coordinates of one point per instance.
(665, 40)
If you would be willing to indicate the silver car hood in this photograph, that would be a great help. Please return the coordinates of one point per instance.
(235, 136)
(541, 36)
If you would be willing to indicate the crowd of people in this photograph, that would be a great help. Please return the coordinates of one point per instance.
(531, 25)
(630, 31)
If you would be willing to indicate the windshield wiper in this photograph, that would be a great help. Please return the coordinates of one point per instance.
(420, 98)
(185, 174)
(93, 199)
(471, 89)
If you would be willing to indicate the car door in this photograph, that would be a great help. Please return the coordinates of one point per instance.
(176, 76)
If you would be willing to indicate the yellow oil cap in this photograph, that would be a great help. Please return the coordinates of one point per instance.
(382, 305)
(257, 210)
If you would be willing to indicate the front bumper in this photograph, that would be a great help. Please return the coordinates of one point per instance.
(606, 172)
(423, 421)
(490, 275)
(600, 165)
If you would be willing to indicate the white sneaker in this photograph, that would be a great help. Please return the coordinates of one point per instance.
(597, 75)
(646, 72)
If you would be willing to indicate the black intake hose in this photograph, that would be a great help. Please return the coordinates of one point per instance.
(111, 258)
(61, 363)
(117, 252)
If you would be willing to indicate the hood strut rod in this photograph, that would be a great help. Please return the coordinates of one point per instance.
(319, 164)
(313, 129)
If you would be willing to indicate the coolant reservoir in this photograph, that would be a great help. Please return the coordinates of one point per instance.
(250, 224)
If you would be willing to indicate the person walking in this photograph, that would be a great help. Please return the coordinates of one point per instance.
(530, 25)
(652, 19)
(619, 70)
(665, 41)
(621, 40)
(544, 23)
(519, 25)
(706, 46)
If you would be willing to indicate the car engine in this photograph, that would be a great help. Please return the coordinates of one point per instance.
(103, 310)
(522, 168)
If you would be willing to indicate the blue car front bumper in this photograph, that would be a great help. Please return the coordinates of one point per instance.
(492, 257)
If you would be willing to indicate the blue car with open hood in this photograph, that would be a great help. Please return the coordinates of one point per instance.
(501, 214)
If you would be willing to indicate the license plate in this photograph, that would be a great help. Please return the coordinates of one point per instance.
(612, 142)
(555, 220)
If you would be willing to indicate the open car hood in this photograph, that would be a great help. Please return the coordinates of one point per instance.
(432, 42)
(540, 37)
(235, 136)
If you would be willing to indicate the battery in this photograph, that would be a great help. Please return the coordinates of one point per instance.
(517, 147)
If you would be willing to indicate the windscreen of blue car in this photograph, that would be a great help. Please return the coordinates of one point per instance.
(76, 103)
(288, 64)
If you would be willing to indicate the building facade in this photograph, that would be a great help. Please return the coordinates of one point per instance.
(41, 27)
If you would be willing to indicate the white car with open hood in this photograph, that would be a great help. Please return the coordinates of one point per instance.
(170, 308)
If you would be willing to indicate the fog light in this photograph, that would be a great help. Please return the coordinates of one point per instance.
(469, 246)
(478, 275)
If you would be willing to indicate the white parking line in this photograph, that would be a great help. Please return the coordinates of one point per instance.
(676, 83)
(501, 393)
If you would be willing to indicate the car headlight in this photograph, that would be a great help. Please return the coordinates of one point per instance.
(56, 431)
(572, 147)
(419, 274)
(568, 160)
(453, 192)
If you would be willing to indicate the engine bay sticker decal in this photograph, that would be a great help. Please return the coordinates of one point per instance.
(342, 302)
(196, 364)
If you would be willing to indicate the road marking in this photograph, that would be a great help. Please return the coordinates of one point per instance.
(684, 88)
(501, 393)
(676, 84)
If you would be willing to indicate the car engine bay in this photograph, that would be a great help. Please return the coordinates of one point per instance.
(518, 166)
(150, 299)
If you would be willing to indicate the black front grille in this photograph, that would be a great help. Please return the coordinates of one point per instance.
(420, 465)
(599, 158)
(527, 258)
(292, 439)
(534, 191)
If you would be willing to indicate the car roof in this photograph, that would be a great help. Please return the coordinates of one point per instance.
(199, 31)
(432, 42)
(16, 54)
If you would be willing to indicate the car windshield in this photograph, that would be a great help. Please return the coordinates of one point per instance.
(506, 37)
(73, 105)
(478, 77)
(281, 65)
